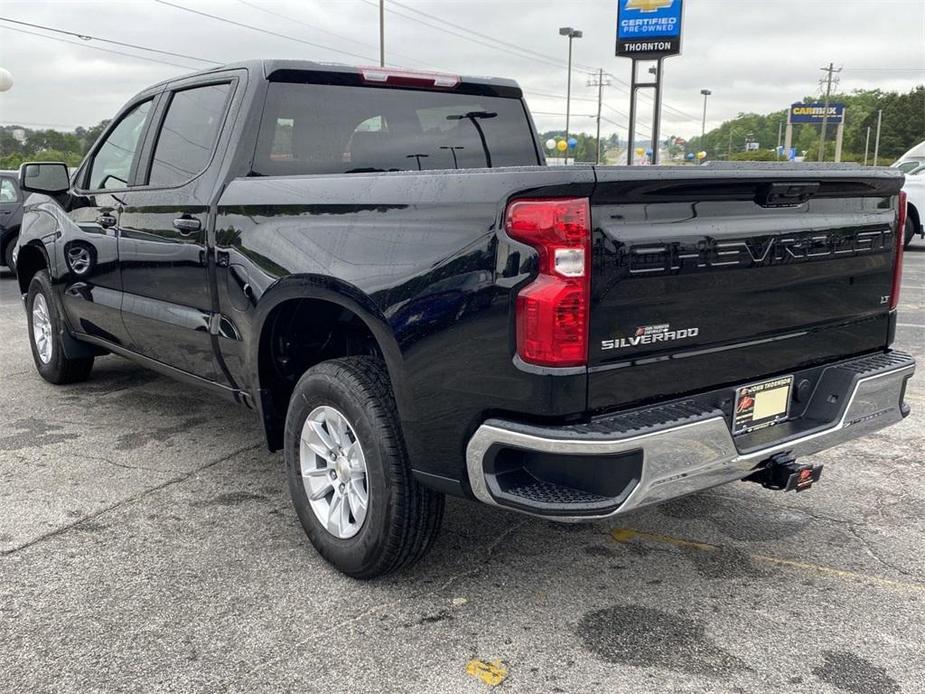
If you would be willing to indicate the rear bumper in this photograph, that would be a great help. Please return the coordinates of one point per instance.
(617, 463)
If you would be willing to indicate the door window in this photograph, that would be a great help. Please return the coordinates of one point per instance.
(7, 190)
(112, 164)
(188, 135)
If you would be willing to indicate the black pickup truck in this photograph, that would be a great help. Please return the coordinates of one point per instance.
(379, 263)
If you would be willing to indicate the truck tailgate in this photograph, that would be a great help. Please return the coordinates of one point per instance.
(721, 275)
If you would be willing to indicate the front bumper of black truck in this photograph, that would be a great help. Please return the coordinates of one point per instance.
(619, 462)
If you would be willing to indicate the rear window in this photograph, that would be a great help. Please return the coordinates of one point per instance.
(318, 129)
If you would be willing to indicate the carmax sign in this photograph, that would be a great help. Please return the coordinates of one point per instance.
(814, 113)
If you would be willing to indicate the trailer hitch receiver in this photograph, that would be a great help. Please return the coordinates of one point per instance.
(782, 472)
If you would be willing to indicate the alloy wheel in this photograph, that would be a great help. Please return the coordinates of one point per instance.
(334, 472)
(41, 328)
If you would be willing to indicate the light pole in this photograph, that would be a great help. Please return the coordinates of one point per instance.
(703, 127)
(572, 35)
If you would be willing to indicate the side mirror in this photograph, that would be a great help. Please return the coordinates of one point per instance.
(46, 177)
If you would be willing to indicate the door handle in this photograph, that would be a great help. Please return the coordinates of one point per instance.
(106, 220)
(187, 225)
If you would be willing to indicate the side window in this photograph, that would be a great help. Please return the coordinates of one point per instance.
(188, 135)
(7, 190)
(112, 163)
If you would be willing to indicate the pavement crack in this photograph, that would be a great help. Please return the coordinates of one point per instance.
(125, 466)
(852, 528)
(127, 501)
(489, 554)
(375, 609)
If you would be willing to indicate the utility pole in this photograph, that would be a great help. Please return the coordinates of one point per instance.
(867, 146)
(825, 116)
(780, 130)
(877, 141)
(703, 126)
(600, 82)
(572, 35)
(381, 33)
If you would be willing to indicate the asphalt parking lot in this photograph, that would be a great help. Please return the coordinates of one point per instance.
(147, 543)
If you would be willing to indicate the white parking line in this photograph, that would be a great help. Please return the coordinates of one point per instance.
(909, 325)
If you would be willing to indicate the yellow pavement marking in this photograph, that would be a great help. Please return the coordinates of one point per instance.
(492, 674)
(624, 535)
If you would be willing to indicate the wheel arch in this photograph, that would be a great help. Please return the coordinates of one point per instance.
(10, 235)
(915, 216)
(343, 312)
(32, 257)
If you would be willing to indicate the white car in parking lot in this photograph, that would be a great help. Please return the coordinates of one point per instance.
(914, 188)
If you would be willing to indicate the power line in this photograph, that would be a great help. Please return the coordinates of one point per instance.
(618, 112)
(885, 69)
(95, 48)
(493, 39)
(622, 126)
(493, 44)
(323, 30)
(88, 37)
(552, 95)
(665, 106)
(14, 123)
(263, 31)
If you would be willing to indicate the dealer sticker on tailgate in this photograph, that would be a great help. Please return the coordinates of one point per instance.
(762, 404)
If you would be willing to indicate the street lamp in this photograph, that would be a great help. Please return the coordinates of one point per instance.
(703, 128)
(572, 35)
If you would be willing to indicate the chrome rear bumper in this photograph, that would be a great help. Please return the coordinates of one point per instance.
(693, 451)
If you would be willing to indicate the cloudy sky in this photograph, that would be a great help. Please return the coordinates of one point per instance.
(755, 55)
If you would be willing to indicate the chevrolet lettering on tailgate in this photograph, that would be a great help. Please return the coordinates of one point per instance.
(645, 259)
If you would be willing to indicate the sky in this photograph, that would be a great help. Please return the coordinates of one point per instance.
(754, 55)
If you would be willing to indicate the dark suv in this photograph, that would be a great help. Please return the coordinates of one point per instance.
(10, 215)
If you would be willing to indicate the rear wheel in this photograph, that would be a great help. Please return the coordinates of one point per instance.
(46, 331)
(348, 471)
(910, 231)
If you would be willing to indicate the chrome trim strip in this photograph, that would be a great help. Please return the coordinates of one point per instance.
(691, 457)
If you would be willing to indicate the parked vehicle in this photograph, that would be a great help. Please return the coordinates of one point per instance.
(911, 160)
(914, 187)
(10, 215)
(380, 265)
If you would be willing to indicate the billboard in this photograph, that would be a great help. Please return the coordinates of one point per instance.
(814, 113)
(648, 29)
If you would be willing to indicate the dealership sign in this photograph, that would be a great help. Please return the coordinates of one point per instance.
(814, 113)
(648, 29)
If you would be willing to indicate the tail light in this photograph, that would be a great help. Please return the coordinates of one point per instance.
(900, 245)
(552, 311)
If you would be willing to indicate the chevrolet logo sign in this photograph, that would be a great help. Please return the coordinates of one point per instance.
(648, 5)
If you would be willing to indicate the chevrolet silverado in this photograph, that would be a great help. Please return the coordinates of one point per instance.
(380, 264)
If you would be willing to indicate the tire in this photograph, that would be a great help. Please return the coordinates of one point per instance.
(50, 360)
(401, 517)
(8, 254)
(910, 232)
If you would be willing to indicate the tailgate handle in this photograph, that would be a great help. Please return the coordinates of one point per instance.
(785, 194)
